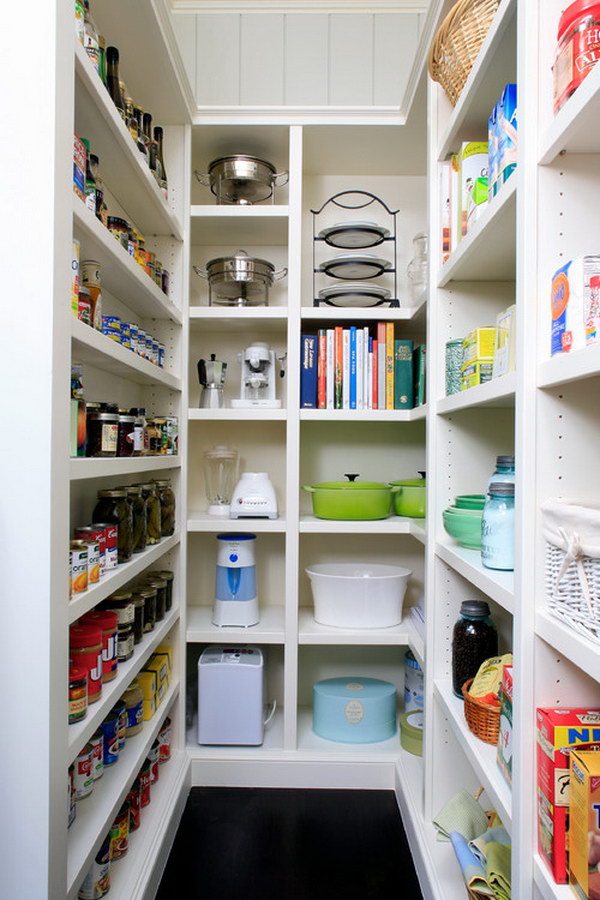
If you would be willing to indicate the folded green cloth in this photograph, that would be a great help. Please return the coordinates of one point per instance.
(461, 813)
(472, 871)
(496, 833)
(498, 869)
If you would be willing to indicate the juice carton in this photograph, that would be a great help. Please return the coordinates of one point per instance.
(574, 304)
(504, 748)
(559, 732)
(584, 828)
(473, 165)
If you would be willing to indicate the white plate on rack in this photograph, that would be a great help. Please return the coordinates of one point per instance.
(354, 265)
(354, 294)
(354, 234)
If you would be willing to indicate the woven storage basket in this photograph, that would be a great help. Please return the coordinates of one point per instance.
(457, 43)
(483, 720)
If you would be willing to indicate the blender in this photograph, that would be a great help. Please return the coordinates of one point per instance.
(220, 477)
(211, 374)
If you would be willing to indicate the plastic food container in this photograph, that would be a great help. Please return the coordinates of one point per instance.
(411, 731)
(351, 499)
(356, 595)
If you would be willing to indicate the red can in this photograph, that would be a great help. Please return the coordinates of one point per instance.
(153, 757)
(577, 50)
(144, 776)
(107, 621)
(94, 533)
(134, 798)
(85, 647)
(111, 558)
(164, 740)
(84, 781)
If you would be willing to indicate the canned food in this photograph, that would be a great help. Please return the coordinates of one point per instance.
(133, 337)
(90, 272)
(97, 881)
(75, 279)
(95, 534)
(120, 709)
(153, 754)
(172, 435)
(141, 344)
(78, 694)
(134, 798)
(119, 833)
(84, 782)
(111, 551)
(110, 734)
(79, 566)
(161, 355)
(125, 335)
(164, 275)
(85, 649)
(93, 560)
(84, 306)
(71, 795)
(144, 776)
(111, 327)
(148, 349)
(119, 230)
(97, 743)
(155, 351)
(164, 741)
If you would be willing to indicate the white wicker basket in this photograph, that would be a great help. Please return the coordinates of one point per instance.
(572, 532)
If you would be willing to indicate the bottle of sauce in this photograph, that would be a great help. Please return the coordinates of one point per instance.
(147, 132)
(140, 431)
(112, 79)
(90, 37)
(162, 171)
(141, 144)
(90, 181)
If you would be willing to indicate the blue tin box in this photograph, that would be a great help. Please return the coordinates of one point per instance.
(354, 710)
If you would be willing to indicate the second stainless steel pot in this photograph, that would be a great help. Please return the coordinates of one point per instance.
(242, 179)
(239, 280)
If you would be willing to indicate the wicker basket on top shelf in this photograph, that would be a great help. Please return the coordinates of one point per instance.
(482, 718)
(457, 43)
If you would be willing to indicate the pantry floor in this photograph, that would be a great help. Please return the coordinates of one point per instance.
(258, 843)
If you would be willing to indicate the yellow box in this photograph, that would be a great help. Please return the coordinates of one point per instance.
(148, 683)
(158, 663)
(584, 823)
(166, 648)
(475, 373)
(479, 344)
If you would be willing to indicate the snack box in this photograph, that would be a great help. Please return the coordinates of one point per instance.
(573, 302)
(159, 668)
(473, 160)
(477, 202)
(504, 748)
(79, 161)
(474, 373)
(148, 683)
(559, 731)
(505, 348)
(167, 650)
(584, 824)
(506, 125)
(479, 344)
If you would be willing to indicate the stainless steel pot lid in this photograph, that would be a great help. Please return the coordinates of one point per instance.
(241, 159)
(354, 234)
(353, 265)
(354, 294)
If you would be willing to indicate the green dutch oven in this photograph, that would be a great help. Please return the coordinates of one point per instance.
(410, 497)
(351, 499)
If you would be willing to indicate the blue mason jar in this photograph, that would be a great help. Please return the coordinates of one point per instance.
(505, 470)
(498, 527)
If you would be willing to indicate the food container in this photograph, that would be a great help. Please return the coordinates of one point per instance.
(354, 710)
(351, 499)
(357, 595)
(239, 280)
(411, 731)
(409, 499)
(242, 179)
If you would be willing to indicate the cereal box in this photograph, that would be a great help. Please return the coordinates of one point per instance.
(573, 310)
(559, 731)
(584, 827)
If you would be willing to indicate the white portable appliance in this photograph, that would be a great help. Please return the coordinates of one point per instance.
(253, 497)
(236, 599)
(258, 377)
(231, 695)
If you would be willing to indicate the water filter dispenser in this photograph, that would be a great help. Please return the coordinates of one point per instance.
(236, 599)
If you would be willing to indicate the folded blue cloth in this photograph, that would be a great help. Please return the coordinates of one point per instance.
(470, 866)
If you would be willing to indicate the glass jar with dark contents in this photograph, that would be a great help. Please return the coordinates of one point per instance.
(125, 438)
(140, 522)
(147, 593)
(102, 433)
(138, 624)
(154, 437)
(119, 230)
(152, 512)
(113, 507)
(160, 584)
(168, 577)
(167, 507)
(474, 639)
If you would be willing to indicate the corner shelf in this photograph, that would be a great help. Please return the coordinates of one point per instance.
(584, 652)
(574, 128)
(499, 586)
(311, 632)
(202, 523)
(120, 466)
(498, 393)
(392, 525)
(270, 629)
(565, 367)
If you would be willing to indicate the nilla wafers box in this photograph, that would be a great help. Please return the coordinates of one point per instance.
(584, 829)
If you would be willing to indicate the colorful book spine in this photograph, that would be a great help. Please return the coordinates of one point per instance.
(360, 365)
(353, 367)
(389, 365)
(346, 368)
(337, 385)
(403, 374)
(308, 371)
(375, 374)
(370, 373)
(381, 365)
(330, 371)
(419, 360)
(322, 370)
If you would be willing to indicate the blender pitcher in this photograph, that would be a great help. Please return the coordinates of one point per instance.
(221, 475)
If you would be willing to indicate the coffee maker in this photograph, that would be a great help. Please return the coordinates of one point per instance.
(211, 375)
(258, 377)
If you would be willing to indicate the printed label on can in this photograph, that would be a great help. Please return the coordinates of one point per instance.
(112, 553)
(83, 779)
(135, 714)
(98, 535)
(79, 569)
(84, 310)
(93, 564)
(97, 743)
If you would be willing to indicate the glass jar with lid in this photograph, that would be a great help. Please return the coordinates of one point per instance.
(102, 433)
(168, 576)
(160, 584)
(125, 434)
(147, 593)
(167, 506)
(133, 699)
(474, 639)
(140, 521)
(120, 230)
(418, 267)
(505, 470)
(113, 507)
(152, 512)
(498, 527)
(154, 437)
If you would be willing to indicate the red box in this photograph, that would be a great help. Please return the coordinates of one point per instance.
(558, 732)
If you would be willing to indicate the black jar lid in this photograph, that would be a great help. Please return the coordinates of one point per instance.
(505, 461)
(501, 489)
(475, 609)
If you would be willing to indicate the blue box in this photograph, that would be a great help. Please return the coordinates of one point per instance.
(354, 710)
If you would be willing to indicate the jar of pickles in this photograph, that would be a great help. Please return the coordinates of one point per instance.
(152, 512)
(140, 521)
(167, 506)
(113, 507)
(155, 581)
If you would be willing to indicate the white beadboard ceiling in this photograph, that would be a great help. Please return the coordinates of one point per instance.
(300, 6)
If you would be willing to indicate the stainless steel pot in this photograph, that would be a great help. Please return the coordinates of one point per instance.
(239, 280)
(242, 179)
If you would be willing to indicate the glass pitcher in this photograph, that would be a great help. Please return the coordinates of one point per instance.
(418, 267)
(220, 478)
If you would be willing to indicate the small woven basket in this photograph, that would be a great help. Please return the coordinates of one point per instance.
(457, 43)
(566, 599)
(482, 718)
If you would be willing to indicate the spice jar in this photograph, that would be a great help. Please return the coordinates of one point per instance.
(147, 594)
(113, 507)
(102, 434)
(85, 649)
(474, 639)
(107, 621)
(152, 512)
(168, 577)
(498, 527)
(125, 435)
(134, 703)
(140, 519)
(167, 507)
(78, 694)
(160, 586)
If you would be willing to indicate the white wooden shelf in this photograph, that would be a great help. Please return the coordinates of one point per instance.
(96, 812)
(546, 884)
(120, 466)
(270, 629)
(583, 651)
(251, 414)
(208, 319)
(392, 525)
(364, 415)
(481, 756)
(339, 315)
(565, 367)
(92, 347)
(498, 393)
(79, 733)
(311, 632)
(320, 748)
(488, 250)
(202, 523)
(121, 275)
(499, 586)
(494, 67)
(271, 748)
(121, 164)
(232, 225)
(575, 127)
(121, 575)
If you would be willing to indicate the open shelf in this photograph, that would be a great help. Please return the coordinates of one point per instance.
(497, 393)
(565, 367)
(321, 748)
(251, 414)
(311, 632)
(392, 525)
(481, 756)
(546, 884)
(232, 225)
(499, 586)
(271, 748)
(209, 319)
(202, 523)
(575, 127)
(584, 652)
(364, 415)
(326, 314)
(120, 466)
(270, 629)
